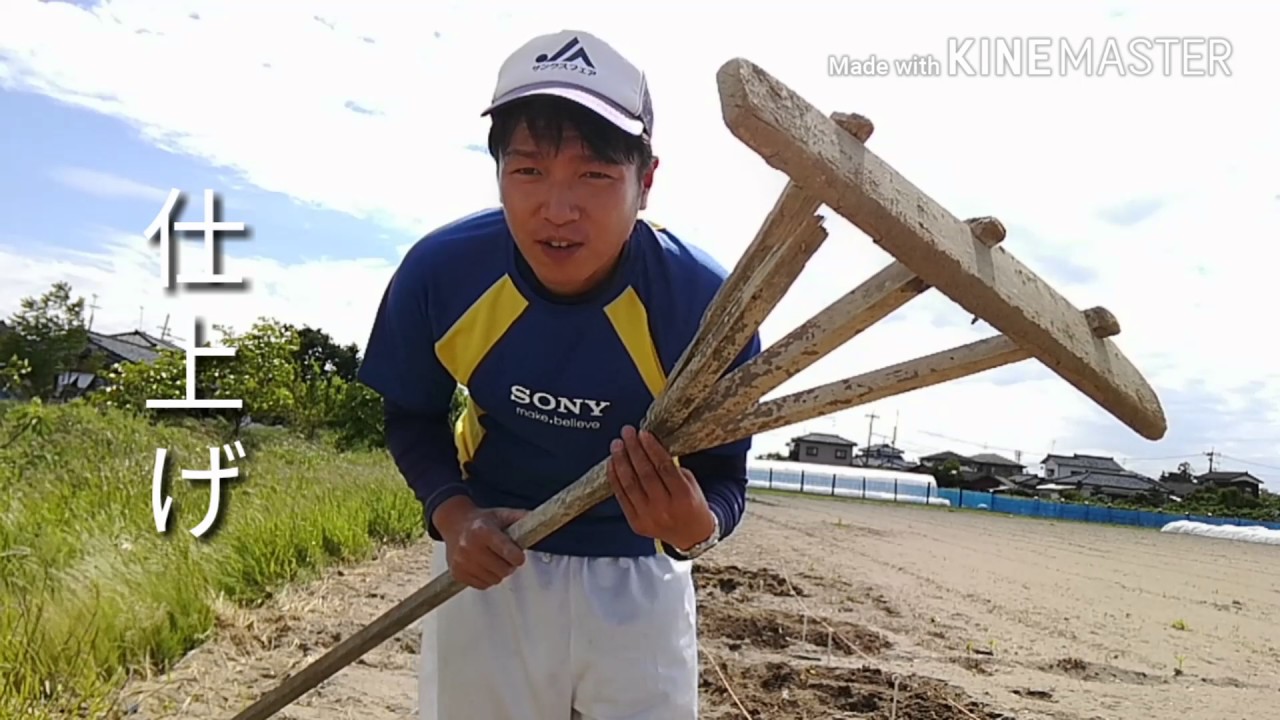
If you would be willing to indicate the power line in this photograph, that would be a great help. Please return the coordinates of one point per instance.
(985, 446)
(1232, 458)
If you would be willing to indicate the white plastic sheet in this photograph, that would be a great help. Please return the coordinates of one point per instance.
(1239, 533)
(844, 481)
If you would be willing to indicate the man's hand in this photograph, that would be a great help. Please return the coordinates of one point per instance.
(659, 498)
(478, 552)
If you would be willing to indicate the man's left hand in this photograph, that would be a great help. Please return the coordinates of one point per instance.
(659, 498)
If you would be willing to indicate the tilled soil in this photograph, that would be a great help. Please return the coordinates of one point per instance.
(763, 661)
(820, 609)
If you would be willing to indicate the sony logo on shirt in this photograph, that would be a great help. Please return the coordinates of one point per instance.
(536, 405)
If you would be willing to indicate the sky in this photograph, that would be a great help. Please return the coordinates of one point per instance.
(341, 132)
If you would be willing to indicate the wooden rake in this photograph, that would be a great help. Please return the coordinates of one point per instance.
(703, 407)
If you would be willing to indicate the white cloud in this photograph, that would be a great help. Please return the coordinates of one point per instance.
(106, 185)
(263, 90)
(125, 275)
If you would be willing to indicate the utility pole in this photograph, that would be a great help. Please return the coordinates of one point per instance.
(92, 307)
(1211, 455)
(866, 451)
(896, 416)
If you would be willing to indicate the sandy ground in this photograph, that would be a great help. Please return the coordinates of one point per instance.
(821, 608)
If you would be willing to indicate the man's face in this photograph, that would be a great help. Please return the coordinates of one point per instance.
(570, 212)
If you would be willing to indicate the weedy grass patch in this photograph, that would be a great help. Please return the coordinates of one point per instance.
(91, 593)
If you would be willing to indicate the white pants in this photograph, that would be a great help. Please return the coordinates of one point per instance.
(565, 638)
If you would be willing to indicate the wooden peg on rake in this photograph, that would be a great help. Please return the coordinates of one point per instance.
(703, 407)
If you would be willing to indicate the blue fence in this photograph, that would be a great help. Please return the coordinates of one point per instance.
(896, 491)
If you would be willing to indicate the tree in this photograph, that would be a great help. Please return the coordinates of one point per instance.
(947, 475)
(284, 376)
(45, 338)
(263, 374)
(318, 354)
(357, 421)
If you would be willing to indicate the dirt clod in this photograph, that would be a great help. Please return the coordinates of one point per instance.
(740, 581)
(776, 690)
(772, 629)
(1078, 669)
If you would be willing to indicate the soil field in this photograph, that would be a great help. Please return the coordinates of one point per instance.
(822, 609)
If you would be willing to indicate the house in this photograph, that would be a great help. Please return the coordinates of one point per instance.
(987, 481)
(882, 455)
(997, 465)
(1063, 466)
(939, 459)
(822, 448)
(1182, 485)
(1097, 483)
(104, 351)
(1020, 484)
(991, 463)
(1025, 481)
(1246, 483)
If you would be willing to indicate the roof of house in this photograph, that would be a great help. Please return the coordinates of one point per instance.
(135, 346)
(1118, 481)
(883, 448)
(824, 439)
(1228, 476)
(1181, 485)
(1091, 462)
(1025, 480)
(947, 455)
(970, 476)
(994, 459)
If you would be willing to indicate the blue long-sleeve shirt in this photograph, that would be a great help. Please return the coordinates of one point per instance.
(551, 382)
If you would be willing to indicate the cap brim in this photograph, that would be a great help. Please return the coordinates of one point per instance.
(592, 102)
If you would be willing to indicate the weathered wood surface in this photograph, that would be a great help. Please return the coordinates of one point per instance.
(791, 135)
(723, 335)
(885, 382)
(713, 428)
(786, 240)
(841, 321)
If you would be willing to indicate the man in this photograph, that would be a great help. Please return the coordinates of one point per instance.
(562, 314)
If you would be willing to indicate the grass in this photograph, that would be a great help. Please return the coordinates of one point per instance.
(91, 593)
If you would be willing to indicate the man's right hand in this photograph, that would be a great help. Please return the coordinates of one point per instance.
(478, 551)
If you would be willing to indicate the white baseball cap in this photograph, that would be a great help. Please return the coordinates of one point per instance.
(581, 67)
